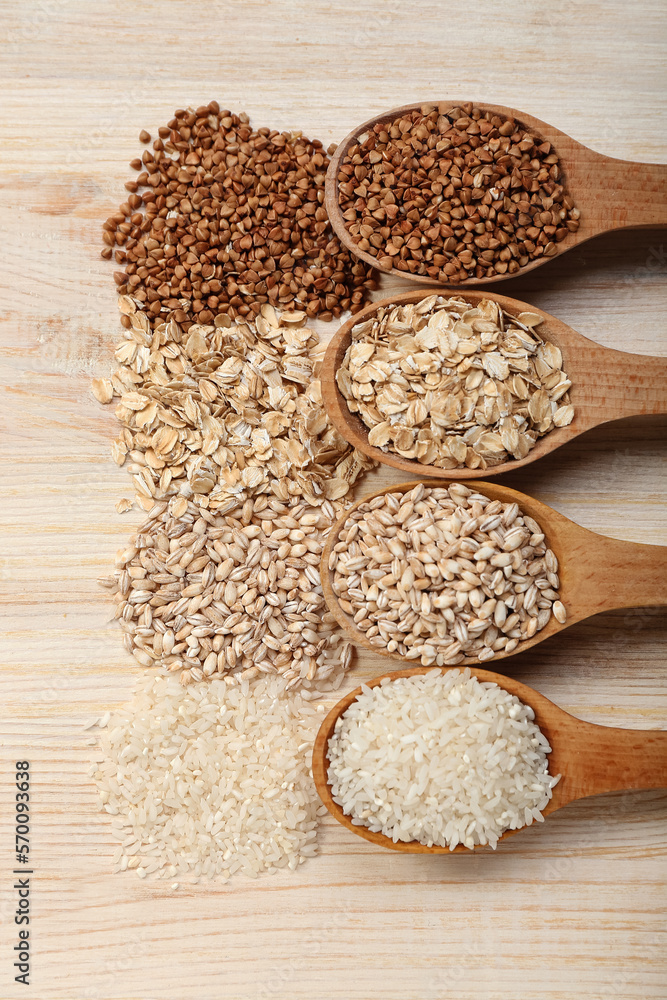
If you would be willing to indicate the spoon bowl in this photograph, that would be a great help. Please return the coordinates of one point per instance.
(606, 385)
(591, 759)
(596, 573)
(609, 193)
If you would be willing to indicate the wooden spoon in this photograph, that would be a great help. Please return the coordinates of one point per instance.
(591, 759)
(596, 573)
(610, 194)
(606, 385)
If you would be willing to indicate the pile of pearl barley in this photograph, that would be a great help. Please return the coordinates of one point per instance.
(206, 595)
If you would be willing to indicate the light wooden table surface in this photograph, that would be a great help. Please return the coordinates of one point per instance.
(574, 908)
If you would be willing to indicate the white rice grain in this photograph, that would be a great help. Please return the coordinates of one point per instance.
(440, 758)
(211, 779)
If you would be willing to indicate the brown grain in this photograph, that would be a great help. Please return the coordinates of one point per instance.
(456, 195)
(226, 218)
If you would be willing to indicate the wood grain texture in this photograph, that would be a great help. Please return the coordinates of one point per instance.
(573, 909)
(606, 385)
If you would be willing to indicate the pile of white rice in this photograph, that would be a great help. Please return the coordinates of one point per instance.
(211, 779)
(440, 758)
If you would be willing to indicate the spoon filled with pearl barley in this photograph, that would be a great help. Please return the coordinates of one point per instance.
(591, 573)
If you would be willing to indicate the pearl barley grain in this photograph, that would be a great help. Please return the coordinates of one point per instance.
(444, 575)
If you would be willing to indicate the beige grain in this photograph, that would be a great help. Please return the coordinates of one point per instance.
(439, 575)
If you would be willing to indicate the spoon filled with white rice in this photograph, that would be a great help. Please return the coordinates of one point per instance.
(439, 760)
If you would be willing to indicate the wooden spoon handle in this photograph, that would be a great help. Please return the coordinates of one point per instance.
(602, 759)
(633, 574)
(605, 574)
(615, 384)
(624, 193)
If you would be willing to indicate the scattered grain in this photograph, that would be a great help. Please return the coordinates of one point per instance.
(222, 413)
(210, 781)
(208, 595)
(224, 218)
(102, 390)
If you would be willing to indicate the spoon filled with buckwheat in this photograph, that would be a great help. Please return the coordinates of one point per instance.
(465, 194)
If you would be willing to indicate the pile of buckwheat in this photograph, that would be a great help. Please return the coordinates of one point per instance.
(224, 218)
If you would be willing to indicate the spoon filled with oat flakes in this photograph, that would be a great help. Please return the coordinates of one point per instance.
(443, 574)
(463, 384)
